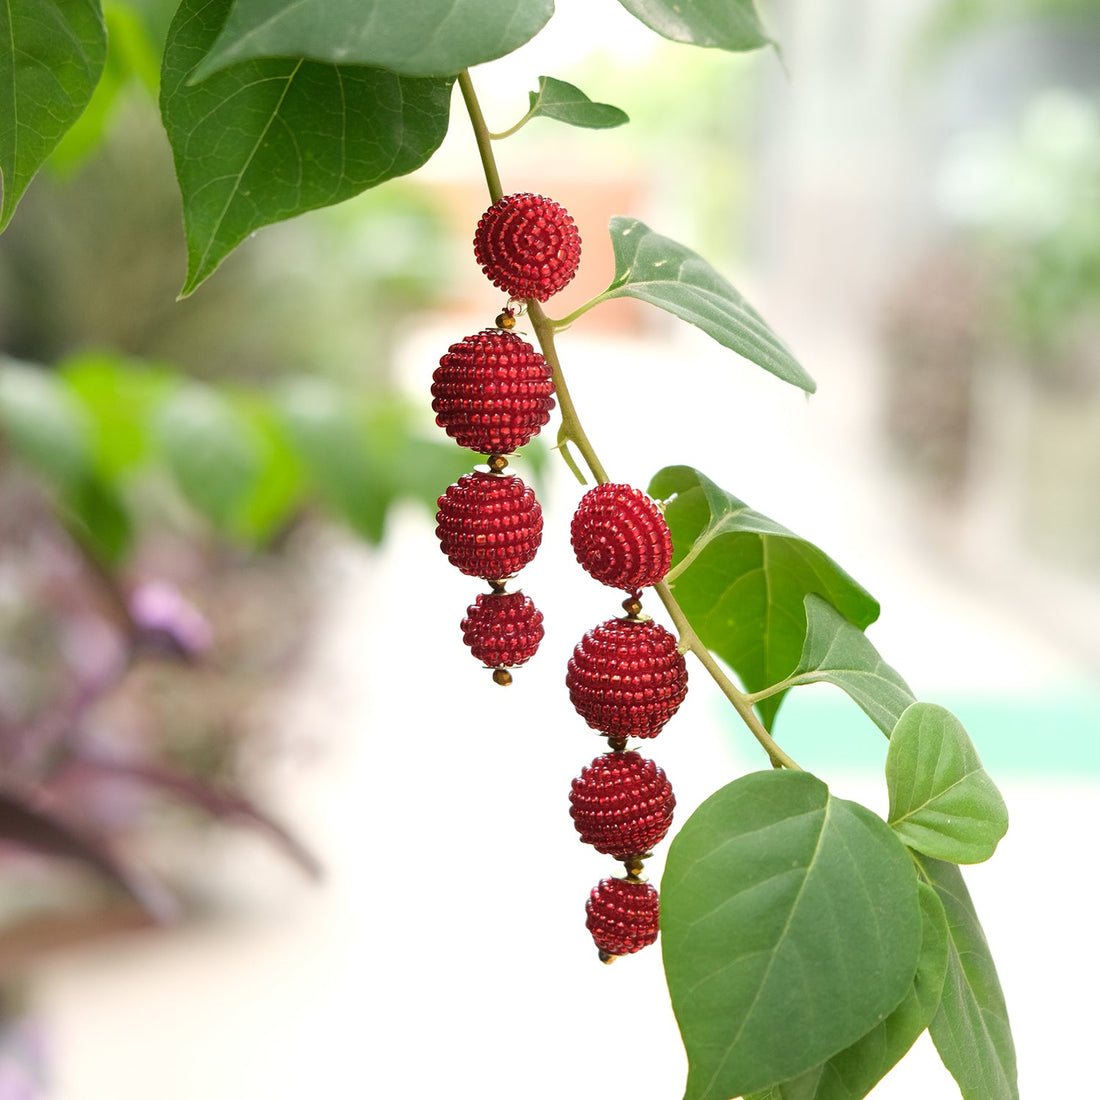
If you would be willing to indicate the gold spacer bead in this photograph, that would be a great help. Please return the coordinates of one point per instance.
(502, 676)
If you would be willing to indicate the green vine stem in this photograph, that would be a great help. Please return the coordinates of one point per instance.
(572, 431)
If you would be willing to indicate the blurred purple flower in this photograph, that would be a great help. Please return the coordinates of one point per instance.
(165, 620)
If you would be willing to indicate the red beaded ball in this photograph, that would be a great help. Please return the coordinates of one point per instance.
(492, 392)
(502, 629)
(623, 916)
(626, 677)
(622, 804)
(620, 536)
(528, 246)
(489, 525)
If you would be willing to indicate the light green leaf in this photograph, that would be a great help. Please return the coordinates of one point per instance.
(742, 580)
(942, 801)
(266, 140)
(837, 652)
(211, 451)
(51, 57)
(43, 423)
(427, 38)
(565, 103)
(724, 24)
(971, 1029)
(851, 1074)
(790, 927)
(657, 270)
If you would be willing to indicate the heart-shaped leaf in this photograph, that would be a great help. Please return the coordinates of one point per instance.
(724, 24)
(742, 580)
(971, 1029)
(668, 275)
(851, 1074)
(567, 103)
(837, 652)
(51, 58)
(428, 38)
(790, 927)
(942, 801)
(266, 140)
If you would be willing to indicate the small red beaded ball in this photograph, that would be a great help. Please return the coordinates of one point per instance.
(623, 916)
(620, 536)
(489, 525)
(626, 677)
(502, 629)
(622, 804)
(492, 392)
(527, 245)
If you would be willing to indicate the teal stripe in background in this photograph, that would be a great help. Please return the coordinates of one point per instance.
(1057, 734)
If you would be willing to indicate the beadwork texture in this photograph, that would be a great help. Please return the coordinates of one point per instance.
(489, 525)
(622, 804)
(527, 245)
(502, 629)
(492, 392)
(626, 677)
(623, 916)
(620, 536)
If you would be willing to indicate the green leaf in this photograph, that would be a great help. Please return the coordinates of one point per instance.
(851, 1074)
(43, 423)
(428, 38)
(724, 24)
(790, 927)
(566, 103)
(971, 1029)
(98, 517)
(657, 270)
(942, 801)
(51, 57)
(210, 449)
(742, 580)
(837, 652)
(267, 140)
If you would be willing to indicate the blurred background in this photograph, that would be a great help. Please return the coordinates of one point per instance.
(233, 693)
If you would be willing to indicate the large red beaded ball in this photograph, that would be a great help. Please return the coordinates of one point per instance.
(527, 245)
(489, 525)
(626, 677)
(620, 536)
(502, 629)
(623, 916)
(492, 392)
(622, 804)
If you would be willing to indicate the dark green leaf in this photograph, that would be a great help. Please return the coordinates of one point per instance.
(211, 450)
(942, 801)
(266, 140)
(837, 652)
(790, 927)
(99, 518)
(971, 1029)
(427, 38)
(565, 103)
(51, 56)
(742, 580)
(725, 24)
(851, 1074)
(657, 270)
(43, 423)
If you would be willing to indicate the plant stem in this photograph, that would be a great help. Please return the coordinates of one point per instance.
(573, 432)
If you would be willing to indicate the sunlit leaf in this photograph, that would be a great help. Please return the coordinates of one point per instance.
(971, 1029)
(427, 38)
(51, 57)
(742, 580)
(668, 275)
(266, 140)
(724, 24)
(942, 801)
(790, 926)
